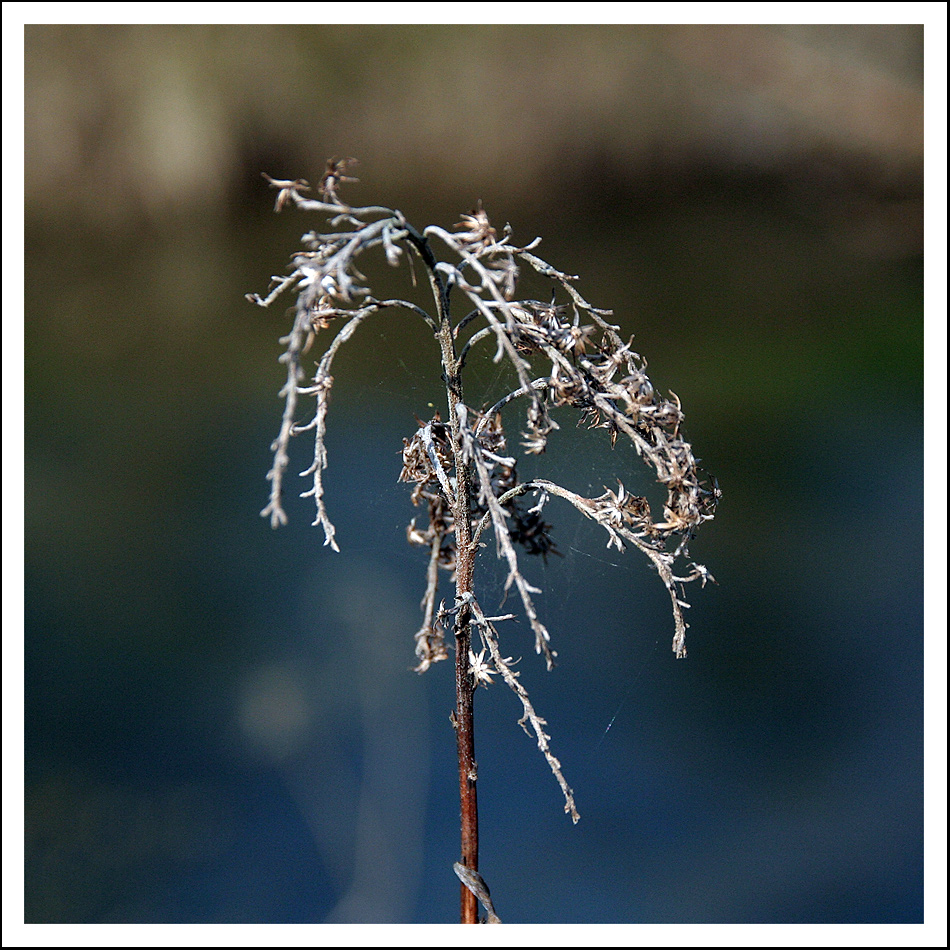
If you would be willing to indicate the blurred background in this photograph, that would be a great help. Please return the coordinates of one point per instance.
(222, 724)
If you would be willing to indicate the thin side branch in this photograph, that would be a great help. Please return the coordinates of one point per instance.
(503, 665)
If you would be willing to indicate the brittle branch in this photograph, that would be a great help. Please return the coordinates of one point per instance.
(503, 665)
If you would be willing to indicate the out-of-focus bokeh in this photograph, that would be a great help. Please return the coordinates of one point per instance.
(222, 724)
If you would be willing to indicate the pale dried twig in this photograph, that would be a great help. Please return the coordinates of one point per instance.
(562, 354)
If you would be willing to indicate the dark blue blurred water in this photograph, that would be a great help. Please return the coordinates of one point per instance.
(222, 724)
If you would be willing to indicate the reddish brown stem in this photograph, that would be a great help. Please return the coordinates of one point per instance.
(465, 738)
(465, 567)
(465, 689)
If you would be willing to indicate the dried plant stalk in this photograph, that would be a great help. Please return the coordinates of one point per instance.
(460, 469)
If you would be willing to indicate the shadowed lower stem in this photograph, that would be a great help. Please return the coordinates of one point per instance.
(465, 568)
(464, 681)
(465, 738)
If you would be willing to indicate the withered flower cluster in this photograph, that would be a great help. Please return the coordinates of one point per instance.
(564, 354)
(427, 456)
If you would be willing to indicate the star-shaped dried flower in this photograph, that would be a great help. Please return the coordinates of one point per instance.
(480, 670)
(477, 231)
